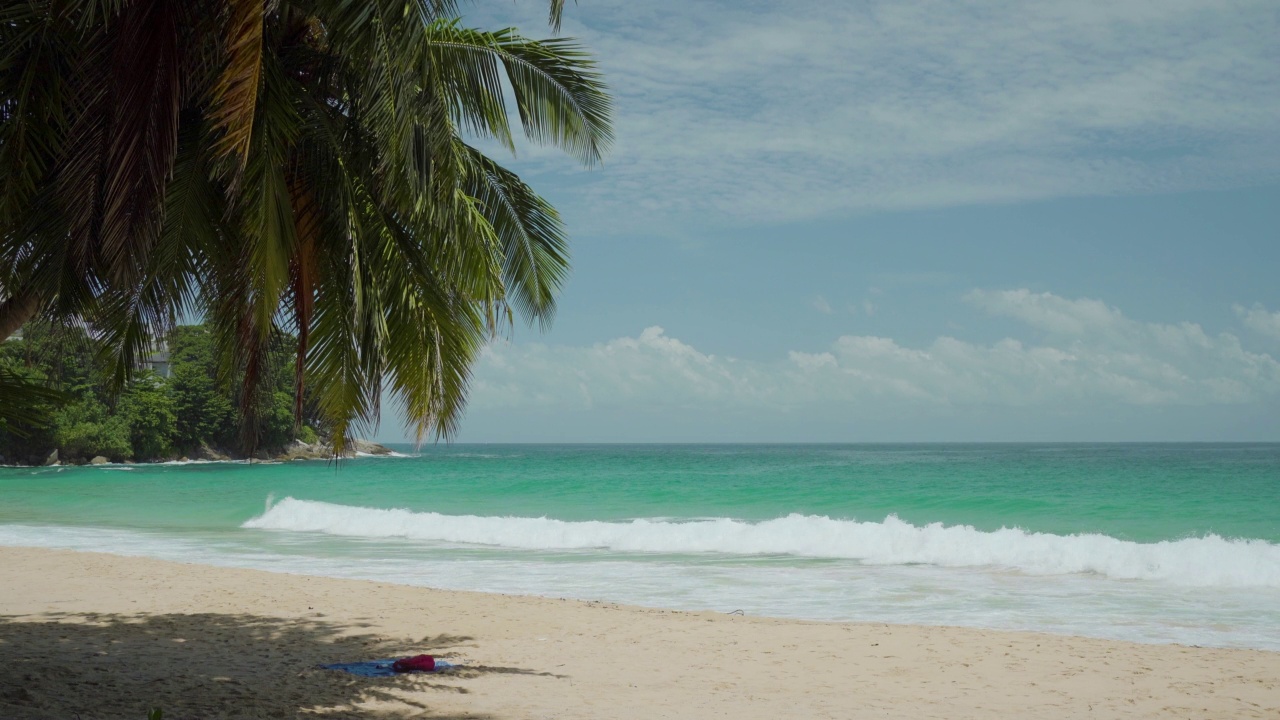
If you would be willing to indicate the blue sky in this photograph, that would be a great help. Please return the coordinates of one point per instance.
(910, 221)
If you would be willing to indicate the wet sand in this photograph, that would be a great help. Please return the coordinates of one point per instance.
(103, 636)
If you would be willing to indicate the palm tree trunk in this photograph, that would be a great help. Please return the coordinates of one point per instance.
(17, 310)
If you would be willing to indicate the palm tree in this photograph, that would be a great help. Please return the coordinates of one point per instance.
(27, 404)
(287, 166)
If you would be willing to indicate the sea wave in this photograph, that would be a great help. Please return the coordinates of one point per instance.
(1201, 561)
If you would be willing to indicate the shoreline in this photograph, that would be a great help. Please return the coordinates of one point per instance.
(293, 451)
(89, 632)
(1090, 604)
(279, 459)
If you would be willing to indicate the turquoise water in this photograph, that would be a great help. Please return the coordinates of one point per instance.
(1158, 543)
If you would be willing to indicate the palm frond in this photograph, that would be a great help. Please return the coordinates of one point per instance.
(434, 319)
(25, 403)
(560, 96)
(236, 91)
(35, 69)
(465, 76)
(434, 340)
(131, 317)
(289, 166)
(534, 247)
(337, 362)
(302, 272)
(142, 141)
(555, 13)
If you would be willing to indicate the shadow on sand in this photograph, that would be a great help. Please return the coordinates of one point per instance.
(210, 666)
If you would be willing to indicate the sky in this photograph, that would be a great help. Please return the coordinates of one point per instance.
(835, 221)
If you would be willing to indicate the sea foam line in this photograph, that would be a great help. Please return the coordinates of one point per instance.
(1203, 561)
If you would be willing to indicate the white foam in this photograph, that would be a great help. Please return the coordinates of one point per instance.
(1204, 561)
(1075, 604)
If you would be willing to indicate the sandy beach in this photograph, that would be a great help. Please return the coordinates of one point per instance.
(101, 636)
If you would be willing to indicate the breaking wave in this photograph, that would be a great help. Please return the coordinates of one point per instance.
(1202, 561)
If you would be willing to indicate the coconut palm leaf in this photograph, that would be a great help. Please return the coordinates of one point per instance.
(288, 168)
(24, 403)
(554, 16)
(132, 315)
(560, 96)
(237, 87)
(534, 247)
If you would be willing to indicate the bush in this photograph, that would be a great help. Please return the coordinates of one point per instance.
(26, 415)
(202, 413)
(84, 429)
(148, 409)
(153, 417)
(308, 435)
(276, 424)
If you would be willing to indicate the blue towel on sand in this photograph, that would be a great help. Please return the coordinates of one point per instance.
(378, 668)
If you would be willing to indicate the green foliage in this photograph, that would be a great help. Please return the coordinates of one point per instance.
(276, 428)
(208, 412)
(43, 371)
(85, 429)
(192, 345)
(27, 405)
(65, 355)
(148, 410)
(298, 174)
(308, 435)
(153, 417)
(202, 413)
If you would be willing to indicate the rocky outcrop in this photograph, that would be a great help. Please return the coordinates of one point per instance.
(368, 448)
(204, 452)
(298, 450)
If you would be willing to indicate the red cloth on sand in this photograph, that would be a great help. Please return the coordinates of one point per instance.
(417, 663)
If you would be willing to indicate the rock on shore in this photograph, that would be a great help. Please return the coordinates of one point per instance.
(298, 450)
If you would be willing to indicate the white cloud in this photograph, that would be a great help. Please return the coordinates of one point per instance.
(1181, 361)
(1091, 357)
(821, 305)
(745, 111)
(652, 369)
(1051, 313)
(1260, 321)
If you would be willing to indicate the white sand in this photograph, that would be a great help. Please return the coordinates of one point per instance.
(103, 636)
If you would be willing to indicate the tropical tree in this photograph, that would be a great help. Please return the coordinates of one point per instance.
(204, 413)
(287, 166)
(26, 409)
(50, 367)
(148, 409)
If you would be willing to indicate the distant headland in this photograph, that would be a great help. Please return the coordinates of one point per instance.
(179, 406)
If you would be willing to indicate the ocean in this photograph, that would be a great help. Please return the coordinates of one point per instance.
(1161, 543)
